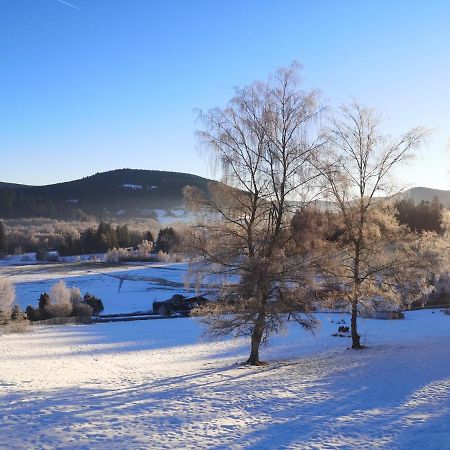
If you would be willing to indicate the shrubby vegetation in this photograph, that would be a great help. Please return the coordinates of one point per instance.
(63, 301)
(94, 303)
(12, 319)
(7, 297)
(164, 250)
(100, 240)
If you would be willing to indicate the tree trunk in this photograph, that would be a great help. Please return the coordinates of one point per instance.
(355, 336)
(257, 335)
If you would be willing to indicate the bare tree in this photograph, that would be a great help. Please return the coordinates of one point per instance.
(7, 297)
(60, 297)
(372, 259)
(262, 141)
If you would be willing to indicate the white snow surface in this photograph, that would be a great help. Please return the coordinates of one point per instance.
(132, 186)
(158, 384)
(123, 288)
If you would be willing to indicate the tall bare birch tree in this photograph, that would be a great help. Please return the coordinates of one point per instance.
(373, 259)
(262, 141)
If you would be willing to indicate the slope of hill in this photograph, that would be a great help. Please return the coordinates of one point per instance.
(123, 192)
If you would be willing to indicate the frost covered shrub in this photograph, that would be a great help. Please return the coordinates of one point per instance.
(59, 310)
(144, 249)
(176, 257)
(163, 257)
(19, 326)
(112, 256)
(75, 295)
(17, 314)
(118, 254)
(142, 253)
(60, 293)
(81, 310)
(7, 297)
(60, 301)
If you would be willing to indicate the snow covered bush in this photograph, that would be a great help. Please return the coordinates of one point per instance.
(144, 249)
(163, 257)
(60, 300)
(81, 310)
(112, 256)
(59, 310)
(7, 297)
(60, 293)
(75, 295)
(17, 314)
(143, 252)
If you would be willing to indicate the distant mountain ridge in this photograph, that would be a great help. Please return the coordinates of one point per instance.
(124, 194)
(107, 195)
(418, 194)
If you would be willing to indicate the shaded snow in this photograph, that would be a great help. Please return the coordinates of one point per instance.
(156, 384)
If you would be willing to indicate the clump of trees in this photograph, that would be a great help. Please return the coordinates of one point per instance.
(50, 238)
(100, 240)
(271, 264)
(164, 249)
(167, 241)
(70, 237)
(421, 217)
(63, 301)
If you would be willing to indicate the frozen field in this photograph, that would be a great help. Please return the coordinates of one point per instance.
(157, 384)
(122, 288)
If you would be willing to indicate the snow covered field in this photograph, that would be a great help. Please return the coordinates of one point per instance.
(157, 384)
(122, 288)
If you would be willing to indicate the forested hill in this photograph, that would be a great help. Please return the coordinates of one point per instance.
(123, 192)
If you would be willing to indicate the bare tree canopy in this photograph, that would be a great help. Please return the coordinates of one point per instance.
(373, 260)
(263, 141)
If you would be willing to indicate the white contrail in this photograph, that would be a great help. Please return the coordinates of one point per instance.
(68, 4)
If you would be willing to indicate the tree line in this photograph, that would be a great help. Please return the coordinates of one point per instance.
(96, 240)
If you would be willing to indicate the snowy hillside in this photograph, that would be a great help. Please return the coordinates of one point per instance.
(156, 384)
(124, 193)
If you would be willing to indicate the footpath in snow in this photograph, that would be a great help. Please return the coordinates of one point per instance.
(157, 384)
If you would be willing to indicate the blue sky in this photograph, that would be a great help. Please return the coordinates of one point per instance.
(112, 83)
